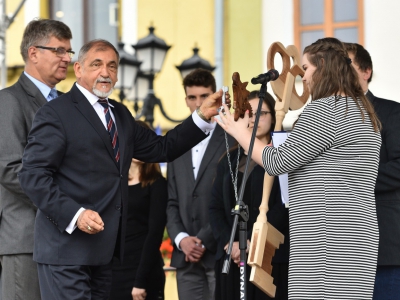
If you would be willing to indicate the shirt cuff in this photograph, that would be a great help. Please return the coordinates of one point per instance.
(179, 238)
(72, 226)
(203, 125)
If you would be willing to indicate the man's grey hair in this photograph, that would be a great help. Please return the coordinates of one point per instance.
(99, 45)
(38, 33)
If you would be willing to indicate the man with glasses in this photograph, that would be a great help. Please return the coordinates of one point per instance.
(46, 51)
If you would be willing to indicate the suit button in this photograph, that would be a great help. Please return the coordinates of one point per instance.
(118, 207)
(121, 176)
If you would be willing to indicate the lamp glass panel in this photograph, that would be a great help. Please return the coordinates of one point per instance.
(126, 76)
(184, 73)
(141, 88)
(144, 55)
(159, 56)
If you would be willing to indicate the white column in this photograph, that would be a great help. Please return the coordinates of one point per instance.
(32, 10)
(129, 23)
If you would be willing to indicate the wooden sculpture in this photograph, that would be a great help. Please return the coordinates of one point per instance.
(265, 237)
(240, 95)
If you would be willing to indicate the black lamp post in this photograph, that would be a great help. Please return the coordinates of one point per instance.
(151, 50)
(194, 62)
(127, 71)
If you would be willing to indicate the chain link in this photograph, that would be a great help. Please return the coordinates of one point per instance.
(234, 178)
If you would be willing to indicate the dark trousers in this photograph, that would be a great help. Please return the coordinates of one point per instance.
(387, 283)
(75, 282)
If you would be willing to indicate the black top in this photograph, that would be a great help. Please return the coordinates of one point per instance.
(143, 264)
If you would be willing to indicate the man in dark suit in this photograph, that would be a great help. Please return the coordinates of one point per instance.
(387, 188)
(75, 169)
(46, 50)
(190, 180)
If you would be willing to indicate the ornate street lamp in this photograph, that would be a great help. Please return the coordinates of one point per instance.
(194, 62)
(151, 50)
(127, 71)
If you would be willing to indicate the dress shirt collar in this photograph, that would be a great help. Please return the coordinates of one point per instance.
(43, 88)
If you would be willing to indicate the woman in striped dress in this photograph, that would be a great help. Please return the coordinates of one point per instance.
(332, 159)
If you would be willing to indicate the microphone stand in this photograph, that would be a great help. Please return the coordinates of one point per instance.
(241, 210)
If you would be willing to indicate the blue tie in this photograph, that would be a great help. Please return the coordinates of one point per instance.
(52, 95)
(112, 130)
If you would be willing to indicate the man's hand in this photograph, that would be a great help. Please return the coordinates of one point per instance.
(209, 107)
(90, 222)
(193, 248)
(235, 254)
(138, 294)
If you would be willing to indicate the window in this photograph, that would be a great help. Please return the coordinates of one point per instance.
(315, 19)
(87, 19)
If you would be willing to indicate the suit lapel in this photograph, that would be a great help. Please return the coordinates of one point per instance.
(83, 105)
(215, 142)
(32, 91)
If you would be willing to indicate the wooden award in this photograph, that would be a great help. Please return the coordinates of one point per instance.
(240, 95)
(265, 237)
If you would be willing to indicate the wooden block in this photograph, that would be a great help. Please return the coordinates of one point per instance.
(258, 238)
(263, 281)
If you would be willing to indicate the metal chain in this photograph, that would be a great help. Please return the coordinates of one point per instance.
(234, 178)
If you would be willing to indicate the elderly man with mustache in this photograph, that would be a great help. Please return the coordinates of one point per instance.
(75, 170)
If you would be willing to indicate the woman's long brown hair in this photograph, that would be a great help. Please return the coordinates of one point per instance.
(335, 75)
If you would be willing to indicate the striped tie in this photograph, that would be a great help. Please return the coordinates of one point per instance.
(112, 130)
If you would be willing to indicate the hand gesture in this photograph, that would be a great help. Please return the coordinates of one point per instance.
(138, 294)
(90, 222)
(193, 248)
(209, 107)
(235, 128)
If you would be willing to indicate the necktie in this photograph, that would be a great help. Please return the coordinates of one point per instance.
(112, 130)
(52, 95)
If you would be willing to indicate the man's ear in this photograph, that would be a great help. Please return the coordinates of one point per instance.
(78, 70)
(367, 74)
(33, 54)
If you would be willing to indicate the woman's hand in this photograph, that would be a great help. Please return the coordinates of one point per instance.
(138, 294)
(235, 129)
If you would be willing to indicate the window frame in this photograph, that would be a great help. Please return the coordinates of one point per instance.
(329, 25)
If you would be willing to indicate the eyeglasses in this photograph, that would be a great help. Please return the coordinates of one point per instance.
(263, 114)
(60, 52)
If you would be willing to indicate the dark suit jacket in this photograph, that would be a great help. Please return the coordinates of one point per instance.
(19, 104)
(69, 163)
(187, 209)
(223, 200)
(387, 188)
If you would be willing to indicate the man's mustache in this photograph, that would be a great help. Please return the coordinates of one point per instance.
(102, 79)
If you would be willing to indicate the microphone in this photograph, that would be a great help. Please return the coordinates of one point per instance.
(271, 75)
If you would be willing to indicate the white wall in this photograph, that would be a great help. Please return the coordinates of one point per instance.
(382, 40)
(277, 26)
(32, 10)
